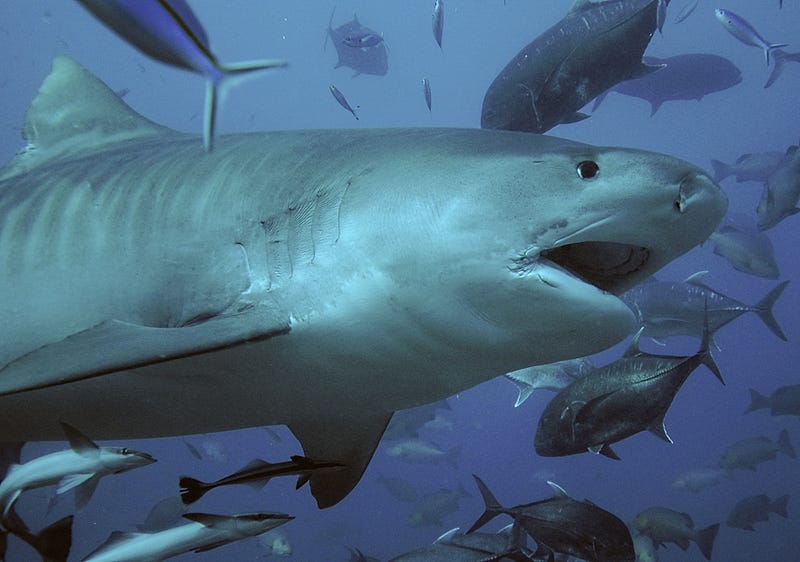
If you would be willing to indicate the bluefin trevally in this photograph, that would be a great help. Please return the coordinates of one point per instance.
(287, 276)
(168, 31)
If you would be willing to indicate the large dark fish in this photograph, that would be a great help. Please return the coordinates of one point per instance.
(682, 77)
(594, 47)
(614, 402)
(168, 31)
(565, 525)
(257, 473)
(364, 60)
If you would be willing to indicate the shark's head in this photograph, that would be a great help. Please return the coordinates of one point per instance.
(122, 459)
(540, 235)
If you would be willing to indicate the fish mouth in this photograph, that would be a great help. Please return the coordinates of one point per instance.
(609, 266)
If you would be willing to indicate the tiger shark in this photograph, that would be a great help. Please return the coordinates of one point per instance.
(320, 279)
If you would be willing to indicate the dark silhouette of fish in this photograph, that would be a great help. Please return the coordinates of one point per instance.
(621, 399)
(426, 91)
(682, 77)
(373, 59)
(339, 96)
(257, 473)
(594, 47)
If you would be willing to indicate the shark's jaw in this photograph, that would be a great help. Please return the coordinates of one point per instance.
(605, 265)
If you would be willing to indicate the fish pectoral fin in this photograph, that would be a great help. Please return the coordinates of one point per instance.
(117, 346)
(590, 408)
(349, 438)
(71, 481)
(605, 450)
(84, 492)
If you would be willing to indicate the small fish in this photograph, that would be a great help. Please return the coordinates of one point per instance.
(698, 479)
(757, 508)
(341, 99)
(785, 401)
(417, 451)
(168, 31)
(748, 453)
(206, 531)
(257, 473)
(744, 32)
(362, 39)
(747, 249)
(426, 91)
(664, 525)
(438, 21)
(80, 467)
(755, 166)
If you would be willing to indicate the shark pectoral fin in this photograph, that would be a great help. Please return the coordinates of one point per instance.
(84, 492)
(117, 346)
(350, 439)
(605, 450)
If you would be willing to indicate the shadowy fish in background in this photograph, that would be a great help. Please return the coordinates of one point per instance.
(80, 467)
(562, 524)
(431, 509)
(437, 21)
(663, 525)
(698, 479)
(406, 423)
(256, 474)
(168, 31)
(686, 11)
(373, 60)
(339, 96)
(785, 401)
(678, 308)
(552, 376)
(755, 166)
(746, 248)
(744, 32)
(596, 45)
(207, 531)
(399, 488)
(756, 508)
(616, 401)
(780, 58)
(682, 77)
(750, 452)
(781, 191)
(426, 91)
(418, 451)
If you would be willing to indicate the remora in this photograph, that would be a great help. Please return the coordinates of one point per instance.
(320, 279)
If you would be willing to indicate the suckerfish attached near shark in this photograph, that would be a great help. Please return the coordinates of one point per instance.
(319, 279)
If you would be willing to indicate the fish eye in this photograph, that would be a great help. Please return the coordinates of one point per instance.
(587, 169)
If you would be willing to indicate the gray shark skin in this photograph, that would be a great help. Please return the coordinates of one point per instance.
(594, 47)
(318, 279)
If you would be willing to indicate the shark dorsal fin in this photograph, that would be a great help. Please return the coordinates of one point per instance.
(74, 112)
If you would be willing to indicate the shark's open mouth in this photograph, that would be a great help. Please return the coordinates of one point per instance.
(602, 264)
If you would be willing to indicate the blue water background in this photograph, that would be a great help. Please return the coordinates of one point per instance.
(496, 440)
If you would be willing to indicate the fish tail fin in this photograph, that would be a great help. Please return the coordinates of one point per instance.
(492, 509)
(780, 505)
(785, 445)
(721, 170)
(215, 90)
(764, 310)
(192, 489)
(757, 401)
(777, 70)
(705, 350)
(53, 543)
(705, 539)
(769, 48)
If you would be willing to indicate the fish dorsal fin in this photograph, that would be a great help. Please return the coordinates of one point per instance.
(80, 443)
(448, 536)
(558, 491)
(74, 112)
(633, 349)
(211, 520)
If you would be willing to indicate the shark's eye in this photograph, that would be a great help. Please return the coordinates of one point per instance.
(587, 169)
